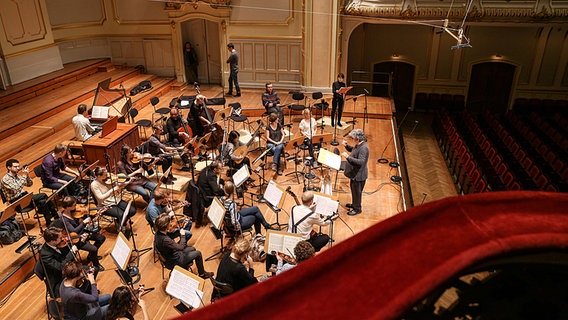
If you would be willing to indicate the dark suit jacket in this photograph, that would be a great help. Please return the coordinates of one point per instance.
(54, 262)
(207, 183)
(356, 166)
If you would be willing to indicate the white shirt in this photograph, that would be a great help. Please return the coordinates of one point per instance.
(82, 126)
(305, 127)
(304, 228)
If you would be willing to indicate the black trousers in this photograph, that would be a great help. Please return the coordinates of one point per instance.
(356, 193)
(93, 248)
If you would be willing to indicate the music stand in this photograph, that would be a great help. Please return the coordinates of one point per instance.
(52, 196)
(274, 196)
(216, 214)
(295, 143)
(261, 156)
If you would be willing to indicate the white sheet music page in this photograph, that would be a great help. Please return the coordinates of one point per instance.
(280, 241)
(325, 205)
(121, 251)
(241, 175)
(273, 194)
(100, 112)
(185, 288)
(216, 213)
(329, 159)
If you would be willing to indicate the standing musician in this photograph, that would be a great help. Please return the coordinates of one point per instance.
(271, 102)
(244, 218)
(53, 178)
(155, 147)
(356, 167)
(105, 194)
(210, 182)
(234, 161)
(54, 254)
(179, 254)
(303, 218)
(236, 267)
(78, 305)
(139, 184)
(70, 217)
(13, 184)
(275, 140)
(197, 116)
(160, 204)
(177, 138)
(338, 99)
(82, 125)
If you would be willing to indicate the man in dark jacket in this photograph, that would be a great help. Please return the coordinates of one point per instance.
(356, 167)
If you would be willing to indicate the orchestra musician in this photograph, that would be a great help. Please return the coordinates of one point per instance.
(155, 148)
(229, 156)
(196, 117)
(236, 267)
(275, 140)
(78, 305)
(105, 194)
(53, 178)
(160, 204)
(70, 218)
(179, 254)
(244, 218)
(173, 125)
(82, 125)
(54, 254)
(271, 102)
(308, 127)
(303, 218)
(123, 305)
(13, 184)
(210, 182)
(338, 99)
(302, 252)
(356, 167)
(139, 184)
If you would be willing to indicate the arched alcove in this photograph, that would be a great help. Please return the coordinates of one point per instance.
(490, 86)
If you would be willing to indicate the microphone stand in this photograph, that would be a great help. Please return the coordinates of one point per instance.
(365, 114)
(385, 160)
(395, 164)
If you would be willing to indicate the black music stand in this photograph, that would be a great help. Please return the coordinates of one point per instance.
(262, 166)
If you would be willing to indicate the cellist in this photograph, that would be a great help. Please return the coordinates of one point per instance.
(196, 117)
(179, 133)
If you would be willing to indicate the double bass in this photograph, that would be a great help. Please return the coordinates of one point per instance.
(216, 131)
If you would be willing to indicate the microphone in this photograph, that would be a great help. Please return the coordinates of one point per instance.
(367, 92)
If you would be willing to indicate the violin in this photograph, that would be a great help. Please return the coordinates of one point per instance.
(120, 178)
(146, 158)
(287, 259)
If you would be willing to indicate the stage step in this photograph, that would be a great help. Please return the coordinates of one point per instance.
(342, 130)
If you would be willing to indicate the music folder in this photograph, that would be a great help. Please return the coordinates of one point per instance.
(185, 286)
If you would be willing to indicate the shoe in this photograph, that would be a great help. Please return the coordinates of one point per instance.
(100, 267)
(184, 168)
(349, 205)
(340, 124)
(353, 212)
(238, 94)
(168, 181)
(99, 258)
(274, 167)
(280, 172)
(229, 93)
(271, 228)
(206, 275)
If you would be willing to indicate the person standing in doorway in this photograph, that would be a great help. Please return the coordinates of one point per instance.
(338, 101)
(233, 62)
(191, 63)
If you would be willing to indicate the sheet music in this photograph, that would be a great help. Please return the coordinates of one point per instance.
(241, 175)
(184, 287)
(325, 205)
(121, 251)
(329, 159)
(100, 112)
(216, 213)
(281, 241)
(273, 194)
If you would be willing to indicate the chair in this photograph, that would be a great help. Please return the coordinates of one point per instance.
(162, 262)
(296, 96)
(220, 289)
(38, 171)
(160, 112)
(53, 305)
(142, 123)
(237, 116)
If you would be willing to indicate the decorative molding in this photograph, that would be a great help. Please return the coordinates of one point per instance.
(99, 22)
(284, 22)
(117, 18)
(19, 27)
(31, 50)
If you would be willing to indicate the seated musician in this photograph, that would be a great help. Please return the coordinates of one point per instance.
(139, 184)
(308, 127)
(123, 305)
(13, 184)
(54, 253)
(53, 178)
(82, 125)
(70, 217)
(275, 140)
(196, 117)
(271, 102)
(105, 194)
(244, 218)
(177, 135)
(160, 204)
(210, 183)
(302, 252)
(236, 267)
(176, 254)
(79, 304)
(234, 161)
(156, 148)
(303, 218)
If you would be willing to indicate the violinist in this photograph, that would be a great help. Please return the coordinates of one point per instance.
(123, 305)
(139, 184)
(177, 137)
(70, 217)
(54, 253)
(302, 252)
(210, 182)
(105, 195)
(244, 218)
(161, 204)
(176, 254)
(155, 148)
(303, 218)
(197, 116)
(236, 267)
(77, 304)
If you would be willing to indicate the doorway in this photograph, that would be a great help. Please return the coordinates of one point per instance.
(490, 87)
(402, 82)
(205, 40)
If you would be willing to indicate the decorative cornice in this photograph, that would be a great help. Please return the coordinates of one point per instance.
(176, 5)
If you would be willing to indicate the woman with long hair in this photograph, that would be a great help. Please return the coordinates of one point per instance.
(123, 305)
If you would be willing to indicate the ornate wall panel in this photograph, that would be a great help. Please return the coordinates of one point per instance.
(131, 11)
(62, 13)
(159, 56)
(261, 12)
(81, 49)
(22, 21)
(551, 56)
